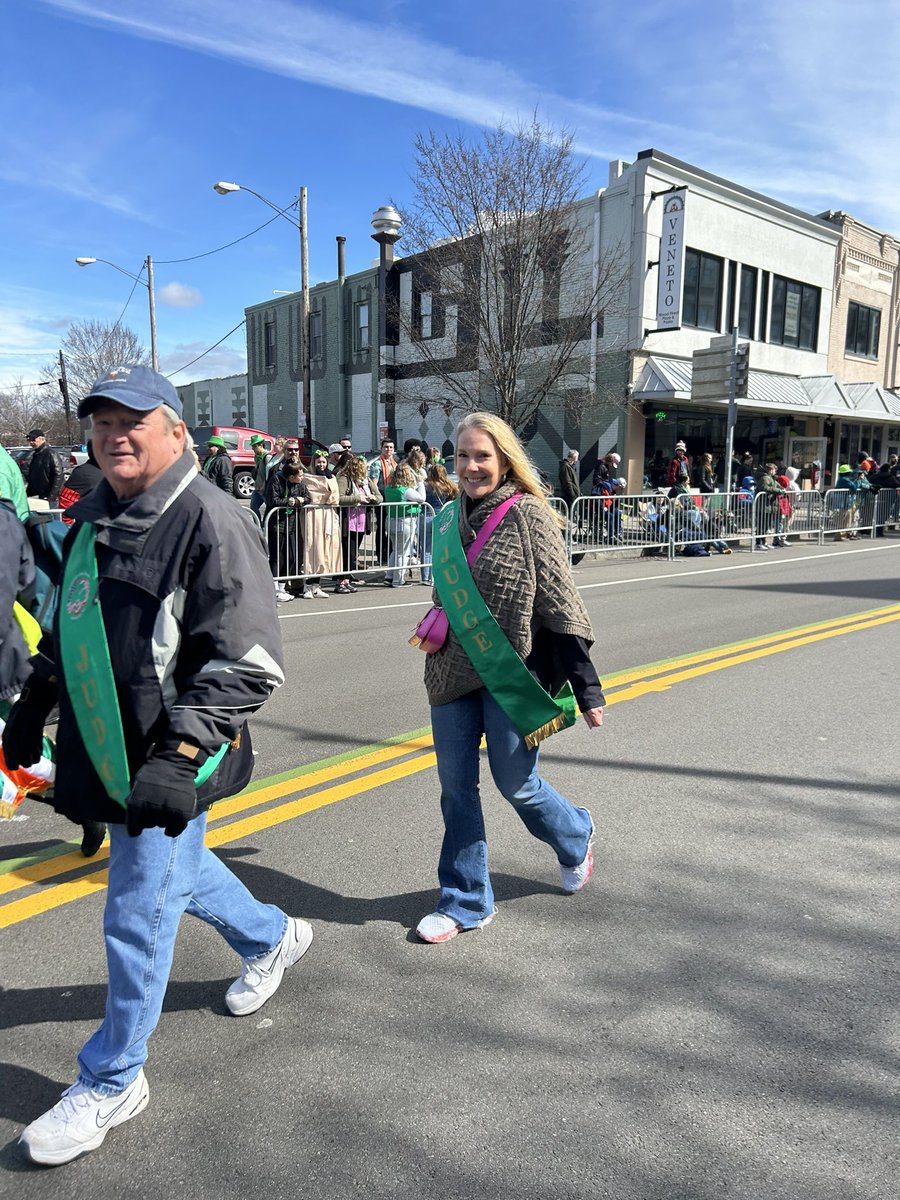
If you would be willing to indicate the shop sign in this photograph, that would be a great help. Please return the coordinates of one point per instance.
(671, 262)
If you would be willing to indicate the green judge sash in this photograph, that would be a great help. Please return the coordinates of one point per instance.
(533, 711)
(88, 674)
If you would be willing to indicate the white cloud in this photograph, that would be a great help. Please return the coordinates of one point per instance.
(787, 98)
(218, 363)
(179, 295)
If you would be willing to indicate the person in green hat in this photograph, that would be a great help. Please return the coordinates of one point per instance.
(844, 500)
(261, 460)
(217, 467)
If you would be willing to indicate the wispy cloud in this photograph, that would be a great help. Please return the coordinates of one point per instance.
(783, 97)
(60, 159)
(179, 295)
(218, 363)
(380, 60)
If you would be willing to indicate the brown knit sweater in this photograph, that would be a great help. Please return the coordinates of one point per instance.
(523, 575)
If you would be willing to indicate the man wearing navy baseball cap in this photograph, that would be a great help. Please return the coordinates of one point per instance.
(156, 660)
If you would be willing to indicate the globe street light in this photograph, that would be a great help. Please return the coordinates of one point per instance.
(85, 261)
(224, 188)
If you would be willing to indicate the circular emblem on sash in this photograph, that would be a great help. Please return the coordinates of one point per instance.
(78, 595)
(445, 520)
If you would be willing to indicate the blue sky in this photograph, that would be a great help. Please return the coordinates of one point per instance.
(117, 116)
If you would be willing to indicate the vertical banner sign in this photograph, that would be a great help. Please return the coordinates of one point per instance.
(671, 262)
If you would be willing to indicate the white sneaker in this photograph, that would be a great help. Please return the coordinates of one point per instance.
(81, 1120)
(438, 927)
(573, 879)
(319, 592)
(307, 594)
(260, 977)
(282, 596)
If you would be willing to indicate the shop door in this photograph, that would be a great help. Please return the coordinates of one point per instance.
(804, 450)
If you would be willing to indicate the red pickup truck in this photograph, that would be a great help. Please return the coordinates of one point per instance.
(237, 443)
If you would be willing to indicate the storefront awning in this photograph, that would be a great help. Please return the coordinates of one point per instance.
(813, 395)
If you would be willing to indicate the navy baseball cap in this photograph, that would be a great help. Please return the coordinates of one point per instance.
(137, 387)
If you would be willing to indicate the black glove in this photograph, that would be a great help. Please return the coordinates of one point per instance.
(23, 735)
(163, 792)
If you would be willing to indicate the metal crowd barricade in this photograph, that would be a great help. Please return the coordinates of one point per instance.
(847, 514)
(887, 511)
(602, 524)
(804, 515)
(394, 541)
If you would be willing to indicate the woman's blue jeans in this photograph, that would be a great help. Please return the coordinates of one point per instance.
(153, 879)
(466, 893)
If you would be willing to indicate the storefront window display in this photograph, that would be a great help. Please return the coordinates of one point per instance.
(762, 435)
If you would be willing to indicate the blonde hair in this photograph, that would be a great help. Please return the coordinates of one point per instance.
(404, 477)
(521, 471)
(441, 485)
(416, 459)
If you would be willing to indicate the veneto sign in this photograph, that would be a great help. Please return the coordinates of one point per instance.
(671, 262)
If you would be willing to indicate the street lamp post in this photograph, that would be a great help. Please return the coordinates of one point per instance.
(224, 189)
(386, 223)
(85, 261)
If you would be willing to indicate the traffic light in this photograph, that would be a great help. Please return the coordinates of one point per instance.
(742, 370)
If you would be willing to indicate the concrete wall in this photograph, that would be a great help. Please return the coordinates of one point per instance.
(216, 402)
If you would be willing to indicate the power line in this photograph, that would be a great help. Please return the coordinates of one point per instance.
(205, 352)
(168, 262)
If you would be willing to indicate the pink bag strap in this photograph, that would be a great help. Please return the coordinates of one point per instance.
(490, 525)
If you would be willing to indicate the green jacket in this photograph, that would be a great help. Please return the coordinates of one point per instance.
(12, 485)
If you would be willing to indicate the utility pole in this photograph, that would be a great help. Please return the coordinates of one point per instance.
(64, 390)
(304, 316)
(153, 357)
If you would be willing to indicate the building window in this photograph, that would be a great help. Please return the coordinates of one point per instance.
(362, 326)
(795, 314)
(863, 327)
(424, 322)
(315, 335)
(747, 305)
(702, 303)
(270, 345)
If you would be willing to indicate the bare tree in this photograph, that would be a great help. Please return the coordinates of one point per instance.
(24, 407)
(91, 348)
(503, 254)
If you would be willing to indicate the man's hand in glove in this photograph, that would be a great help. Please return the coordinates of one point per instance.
(23, 736)
(163, 791)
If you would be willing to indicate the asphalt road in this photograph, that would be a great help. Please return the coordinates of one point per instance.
(713, 1016)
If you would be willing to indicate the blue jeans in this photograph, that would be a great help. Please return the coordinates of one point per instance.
(466, 893)
(153, 879)
(256, 502)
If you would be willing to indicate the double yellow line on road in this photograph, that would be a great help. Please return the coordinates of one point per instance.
(358, 772)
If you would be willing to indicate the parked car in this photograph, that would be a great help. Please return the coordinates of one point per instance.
(21, 455)
(308, 447)
(237, 443)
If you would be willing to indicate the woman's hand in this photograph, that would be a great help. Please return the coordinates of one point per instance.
(593, 718)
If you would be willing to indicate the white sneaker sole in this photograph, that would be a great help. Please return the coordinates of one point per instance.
(47, 1157)
(304, 941)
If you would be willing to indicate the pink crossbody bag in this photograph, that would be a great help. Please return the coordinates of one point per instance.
(431, 632)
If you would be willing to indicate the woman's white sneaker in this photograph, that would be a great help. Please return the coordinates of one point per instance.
(438, 927)
(260, 977)
(80, 1120)
(573, 879)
